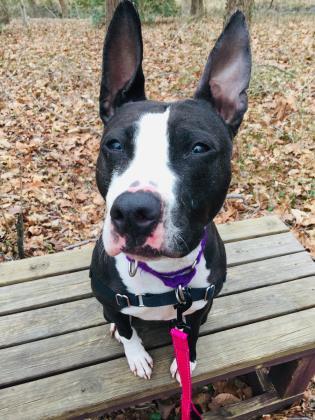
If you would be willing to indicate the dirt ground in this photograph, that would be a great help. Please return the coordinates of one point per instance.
(50, 130)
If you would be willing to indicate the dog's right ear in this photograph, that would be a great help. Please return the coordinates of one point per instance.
(122, 75)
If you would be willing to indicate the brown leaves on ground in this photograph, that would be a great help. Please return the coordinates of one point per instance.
(50, 130)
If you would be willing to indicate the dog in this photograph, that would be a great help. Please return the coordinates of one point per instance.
(164, 170)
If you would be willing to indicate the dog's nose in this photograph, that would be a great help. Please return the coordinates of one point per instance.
(136, 214)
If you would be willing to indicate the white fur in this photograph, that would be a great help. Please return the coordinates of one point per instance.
(174, 371)
(150, 166)
(144, 282)
(140, 362)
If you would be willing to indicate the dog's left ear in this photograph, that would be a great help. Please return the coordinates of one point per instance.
(226, 76)
(122, 75)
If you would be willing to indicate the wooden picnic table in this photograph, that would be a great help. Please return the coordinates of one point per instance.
(58, 360)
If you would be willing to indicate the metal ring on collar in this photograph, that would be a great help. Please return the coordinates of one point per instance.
(180, 294)
(132, 267)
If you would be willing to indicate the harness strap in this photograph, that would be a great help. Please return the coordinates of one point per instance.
(150, 300)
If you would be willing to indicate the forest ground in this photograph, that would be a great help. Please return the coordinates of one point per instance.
(50, 130)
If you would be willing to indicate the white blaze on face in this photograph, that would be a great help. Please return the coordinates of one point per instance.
(150, 170)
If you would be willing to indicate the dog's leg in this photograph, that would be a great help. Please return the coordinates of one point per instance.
(194, 322)
(140, 362)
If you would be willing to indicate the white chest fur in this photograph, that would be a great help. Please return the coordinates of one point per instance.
(144, 282)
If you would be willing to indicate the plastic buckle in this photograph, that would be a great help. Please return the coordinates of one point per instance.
(119, 300)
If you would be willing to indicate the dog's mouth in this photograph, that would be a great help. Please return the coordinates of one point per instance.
(150, 246)
(138, 249)
(146, 253)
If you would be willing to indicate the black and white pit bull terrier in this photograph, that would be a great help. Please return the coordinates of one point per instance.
(164, 170)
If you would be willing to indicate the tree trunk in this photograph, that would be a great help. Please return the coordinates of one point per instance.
(110, 8)
(4, 12)
(32, 7)
(196, 8)
(64, 8)
(23, 12)
(246, 6)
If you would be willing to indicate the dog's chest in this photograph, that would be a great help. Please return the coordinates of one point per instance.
(144, 282)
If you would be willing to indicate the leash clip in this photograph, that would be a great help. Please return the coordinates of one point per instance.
(132, 268)
(184, 300)
(180, 293)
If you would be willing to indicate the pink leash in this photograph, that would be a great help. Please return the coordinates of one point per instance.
(180, 343)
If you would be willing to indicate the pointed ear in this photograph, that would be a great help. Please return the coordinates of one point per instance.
(227, 72)
(122, 75)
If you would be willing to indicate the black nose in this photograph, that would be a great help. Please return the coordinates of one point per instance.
(136, 214)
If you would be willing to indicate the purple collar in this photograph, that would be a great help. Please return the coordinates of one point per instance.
(173, 278)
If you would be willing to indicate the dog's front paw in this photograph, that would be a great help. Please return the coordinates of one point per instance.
(140, 362)
(174, 370)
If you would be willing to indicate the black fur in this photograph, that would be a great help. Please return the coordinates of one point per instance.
(212, 117)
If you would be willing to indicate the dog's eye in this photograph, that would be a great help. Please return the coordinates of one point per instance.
(114, 145)
(199, 148)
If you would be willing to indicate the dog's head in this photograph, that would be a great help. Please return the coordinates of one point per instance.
(164, 168)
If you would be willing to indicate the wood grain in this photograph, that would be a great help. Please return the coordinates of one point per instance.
(266, 272)
(105, 385)
(251, 228)
(293, 377)
(71, 316)
(253, 407)
(50, 321)
(90, 346)
(46, 265)
(261, 248)
(79, 259)
(44, 292)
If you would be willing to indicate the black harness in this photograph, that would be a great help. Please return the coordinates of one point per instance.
(180, 295)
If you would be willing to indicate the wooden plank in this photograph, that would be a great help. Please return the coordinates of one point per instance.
(50, 321)
(261, 248)
(293, 377)
(267, 272)
(258, 304)
(251, 228)
(47, 322)
(79, 259)
(105, 385)
(253, 407)
(44, 292)
(90, 346)
(46, 265)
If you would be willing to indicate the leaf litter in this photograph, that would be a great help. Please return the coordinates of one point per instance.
(50, 133)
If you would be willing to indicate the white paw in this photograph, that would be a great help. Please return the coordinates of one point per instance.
(114, 332)
(174, 371)
(140, 362)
